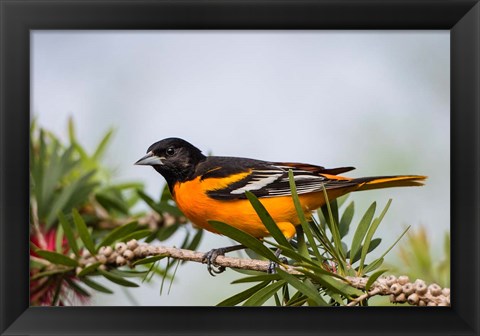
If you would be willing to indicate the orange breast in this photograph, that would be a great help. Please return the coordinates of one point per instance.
(192, 199)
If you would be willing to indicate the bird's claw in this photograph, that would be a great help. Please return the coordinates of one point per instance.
(272, 266)
(210, 258)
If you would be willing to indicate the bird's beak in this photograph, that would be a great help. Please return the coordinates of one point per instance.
(150, 160)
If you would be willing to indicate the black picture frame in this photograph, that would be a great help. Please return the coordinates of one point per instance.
(18, 17)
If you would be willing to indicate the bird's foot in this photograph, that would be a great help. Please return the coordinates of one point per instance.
(210, 258)
(272, 266)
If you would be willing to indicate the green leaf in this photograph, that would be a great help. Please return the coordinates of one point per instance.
(362, 231)
(247, 272)
(341, 200)
(128, 274)
(306, 261)
(165, 206)
(306, 290)
(110, 202)
(256, 278)
(277, 299)
(373, 265)
(83, 154)
(124, 186)
(151, 203)
(89, 269)
(68, 233)
(167, 231)
(373, 245)
(148, 260)
(373, 278)
(301, 215)
(196, 240)
(346, 220)
(332, 224)
(243, 238)
(267, 220)
(95, 285)
(328, 282)
(242, 296)
(395, 242)
(102, 146)
(59, 240)
(57, 258)
(49, 273)
(76, 287)
(40, 173)
(81, 194)
(83, 231)
(35, 264)
(371, 231)
(140, 234)
(328, 214)
(56, 296)
(117, 279)
(318, 230)
(264, 294)
(71, 130)
(118, 233)
(301, 243)
(51, 176)
(67, 197)
(166, 195)
(318, 270)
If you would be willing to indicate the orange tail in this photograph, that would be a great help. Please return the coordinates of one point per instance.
(378, 182)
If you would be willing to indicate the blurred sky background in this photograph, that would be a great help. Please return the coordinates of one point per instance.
(375, 100)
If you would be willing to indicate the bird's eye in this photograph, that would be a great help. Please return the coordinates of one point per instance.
(170, 151)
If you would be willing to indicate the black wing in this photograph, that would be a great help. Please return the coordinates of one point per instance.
(267, 179)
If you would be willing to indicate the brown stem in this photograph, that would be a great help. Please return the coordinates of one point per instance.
(400, 290)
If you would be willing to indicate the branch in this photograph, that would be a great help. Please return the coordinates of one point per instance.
(399, 289)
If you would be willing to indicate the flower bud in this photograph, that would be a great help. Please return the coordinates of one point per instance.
(446, 291)
(420, 287)
(422, 303)
(120, 247)
(396, 289)
(112, 257)
(107, 251)
(132, 244)
(443, 303)
(391, 279)
(401, 298)
(413, 299)
(435, 289)
(138, 251)
(85, 253)
(128, 254)
(403, 279)
(120, 261)
(102, 258)
(408, 288)
(168, 219)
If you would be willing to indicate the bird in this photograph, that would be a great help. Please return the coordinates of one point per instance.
(213, 188)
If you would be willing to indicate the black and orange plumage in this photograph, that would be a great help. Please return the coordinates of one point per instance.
(213, 188)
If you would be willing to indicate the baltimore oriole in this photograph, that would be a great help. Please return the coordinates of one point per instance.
(213, 187)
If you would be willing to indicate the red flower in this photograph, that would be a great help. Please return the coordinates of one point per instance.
(48, 287)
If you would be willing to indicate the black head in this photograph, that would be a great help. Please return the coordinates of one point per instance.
(174, 158)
